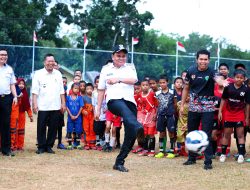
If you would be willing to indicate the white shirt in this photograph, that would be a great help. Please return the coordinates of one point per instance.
(7, 77)
(118, 90)
(103, 106)
(48, 87)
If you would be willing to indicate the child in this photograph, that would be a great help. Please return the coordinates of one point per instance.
(24, 106)
(74, 105)
(100, 125)
(82, 87)
(146, 115)
(14, 119)
(153, 83)
(60, 145)
(237, 98)
(182, 127)
(88, 118)
(178, 87)
(137, 87)
(76, 79)
(165, 117)
(111, 141)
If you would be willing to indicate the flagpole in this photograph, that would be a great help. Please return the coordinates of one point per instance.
(33, 57)
(132, 51)
(84, 64)
(176, 64)
(218, 55)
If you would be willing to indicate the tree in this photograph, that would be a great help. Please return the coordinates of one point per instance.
(107, 21)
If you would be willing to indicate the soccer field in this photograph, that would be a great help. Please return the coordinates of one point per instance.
(81, 169)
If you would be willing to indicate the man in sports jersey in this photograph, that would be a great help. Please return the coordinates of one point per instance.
(199, 82)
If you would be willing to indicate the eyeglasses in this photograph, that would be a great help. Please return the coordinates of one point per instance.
(3, 54)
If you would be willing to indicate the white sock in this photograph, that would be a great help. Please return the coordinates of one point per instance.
(112, 141)
(107, 137)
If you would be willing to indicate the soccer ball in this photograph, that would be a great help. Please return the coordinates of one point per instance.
(196, 141)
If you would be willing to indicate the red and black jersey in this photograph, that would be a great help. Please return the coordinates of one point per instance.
(236, 100)
(146, 103)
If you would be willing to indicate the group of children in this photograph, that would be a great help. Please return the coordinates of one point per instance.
(158, 110)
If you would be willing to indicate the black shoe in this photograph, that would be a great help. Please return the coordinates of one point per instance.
(140, 135)
(120, 168)
(40, 151)
(11, 154)
(50, 151)
(189, 162)
(208, 166)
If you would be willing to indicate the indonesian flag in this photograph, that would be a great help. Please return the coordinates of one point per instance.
(85, 40)
(34, 37)
(135, 41)
(180, 47)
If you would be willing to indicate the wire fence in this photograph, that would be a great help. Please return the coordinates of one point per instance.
(147, 64)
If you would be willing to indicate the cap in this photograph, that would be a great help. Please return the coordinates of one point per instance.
(119, 48)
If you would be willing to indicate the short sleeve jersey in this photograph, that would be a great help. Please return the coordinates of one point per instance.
(74, 105)
(166, 103)
(201, 85)
(177, 95)
(236, 100)
(146, 103)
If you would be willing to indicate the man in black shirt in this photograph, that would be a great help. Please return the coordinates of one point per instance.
(199, 82)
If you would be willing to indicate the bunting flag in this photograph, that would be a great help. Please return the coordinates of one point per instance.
(180, 47)
(85, 40)
(34, 37)
(135, 41)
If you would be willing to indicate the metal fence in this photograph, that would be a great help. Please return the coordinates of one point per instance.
(147, 64)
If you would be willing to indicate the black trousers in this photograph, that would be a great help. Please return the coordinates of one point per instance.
(206, 119)
(5, 112)
(128, 111)
(51, 119)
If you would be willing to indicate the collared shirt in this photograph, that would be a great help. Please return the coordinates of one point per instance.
(118, 90)
(48, 87)
(7, 77)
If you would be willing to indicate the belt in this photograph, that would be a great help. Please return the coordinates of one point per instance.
(4, 95)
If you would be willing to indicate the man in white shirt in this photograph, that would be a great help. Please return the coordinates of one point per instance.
(118, 79)
(47, 100)
(7, 87)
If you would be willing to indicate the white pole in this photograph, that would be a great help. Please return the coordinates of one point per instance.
(132, 51)
(218, 55)
(84, 64)
(176, 64)
(33, 59)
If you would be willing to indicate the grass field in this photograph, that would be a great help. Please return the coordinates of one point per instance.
(81, 169)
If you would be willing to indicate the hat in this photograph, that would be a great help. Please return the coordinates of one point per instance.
(119, 48)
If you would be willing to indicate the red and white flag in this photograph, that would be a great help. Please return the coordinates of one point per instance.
(34, 37)
(180, 47)
(135, 41)
(85, 40)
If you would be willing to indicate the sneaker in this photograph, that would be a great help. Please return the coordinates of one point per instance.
(160, 155)
(151, 154)
(86, 147)
(240, 159)
(61, 146)
(79, 147)
(99, 148)
(170, 151)
(208, 166)
(143, 153)
(189, 162)
(137, 149)
(223, 158)
(120, 168)
(107, 148)
(170, 155)
(70, 147)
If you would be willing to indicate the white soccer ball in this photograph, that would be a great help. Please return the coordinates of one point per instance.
(196, 141)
